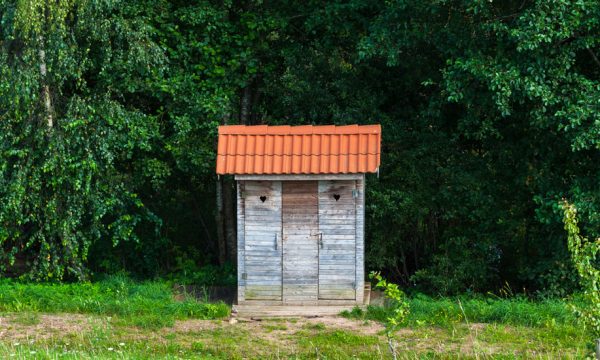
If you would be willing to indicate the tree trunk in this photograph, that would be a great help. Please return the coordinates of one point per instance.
(392, 346)
(230, 219)
(198, 210)
(45, 87)
(220, 215)
(226, 195)
(245, 105)
(221, 245)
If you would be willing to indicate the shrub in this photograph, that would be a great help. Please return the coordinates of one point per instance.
(584, 253)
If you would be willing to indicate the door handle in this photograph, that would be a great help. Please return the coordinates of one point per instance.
(276, 235)
(320, 235)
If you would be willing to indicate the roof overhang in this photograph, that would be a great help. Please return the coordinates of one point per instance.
(281, 150)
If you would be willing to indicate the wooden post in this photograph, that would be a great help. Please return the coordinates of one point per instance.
(597, 349)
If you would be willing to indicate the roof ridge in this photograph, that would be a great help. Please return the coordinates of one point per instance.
(299, 129)
(303, 154)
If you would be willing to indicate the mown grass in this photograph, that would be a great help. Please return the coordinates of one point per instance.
(146, 304)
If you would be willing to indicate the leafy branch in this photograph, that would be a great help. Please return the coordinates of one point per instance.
(399, 308)
(584, 253)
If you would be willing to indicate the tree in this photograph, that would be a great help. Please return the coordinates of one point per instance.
(71, 131)
(509, 91)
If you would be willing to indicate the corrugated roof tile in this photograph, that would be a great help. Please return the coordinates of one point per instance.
(307, 149)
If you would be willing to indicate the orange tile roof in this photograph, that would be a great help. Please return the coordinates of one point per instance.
(327, 149)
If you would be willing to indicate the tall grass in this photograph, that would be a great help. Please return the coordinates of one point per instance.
(426, 310)
(146, 303)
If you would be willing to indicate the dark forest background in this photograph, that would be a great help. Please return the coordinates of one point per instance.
(109, 112)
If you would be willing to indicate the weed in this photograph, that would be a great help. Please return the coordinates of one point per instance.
(272, 327)
(317, 326)
(26, 318)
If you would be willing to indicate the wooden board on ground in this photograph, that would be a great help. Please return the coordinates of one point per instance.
(262, 311)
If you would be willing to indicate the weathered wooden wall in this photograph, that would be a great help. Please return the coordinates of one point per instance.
(304, 244)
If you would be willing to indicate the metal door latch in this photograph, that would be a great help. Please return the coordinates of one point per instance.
(320, 235)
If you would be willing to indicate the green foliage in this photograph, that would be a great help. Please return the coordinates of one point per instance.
(187, 272)
(71, 138)
(398, 307)
(585, 255)
(445, 311)
(147, 304)
(482, 147)
(489, 115)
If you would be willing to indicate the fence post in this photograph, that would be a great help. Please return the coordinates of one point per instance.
(597, 349)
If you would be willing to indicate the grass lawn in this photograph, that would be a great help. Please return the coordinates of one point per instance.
(120, 319)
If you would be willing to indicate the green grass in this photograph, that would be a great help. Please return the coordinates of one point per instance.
(525, 325)
(444, 311)
(121, 319)
(258, 340)
(145, 304)
(26, 318)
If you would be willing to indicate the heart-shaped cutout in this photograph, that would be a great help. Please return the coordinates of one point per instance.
(263, 198)
(336, 197)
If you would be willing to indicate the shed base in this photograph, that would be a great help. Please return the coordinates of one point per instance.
(269, 311)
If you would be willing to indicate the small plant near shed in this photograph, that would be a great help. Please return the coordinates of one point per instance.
(399, 308)
(585, 254)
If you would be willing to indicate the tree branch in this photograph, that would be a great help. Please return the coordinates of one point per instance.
(594, 56)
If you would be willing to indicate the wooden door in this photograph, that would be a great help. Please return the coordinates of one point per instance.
(300, 236)
(262, 235)
(337, 250)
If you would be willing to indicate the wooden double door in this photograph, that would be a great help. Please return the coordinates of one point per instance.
(300, 240)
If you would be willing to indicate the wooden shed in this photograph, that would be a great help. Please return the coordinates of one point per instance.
(300, 210)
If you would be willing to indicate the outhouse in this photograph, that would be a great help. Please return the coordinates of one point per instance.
(300, 210)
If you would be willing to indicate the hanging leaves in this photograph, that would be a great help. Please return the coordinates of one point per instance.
(68, 66)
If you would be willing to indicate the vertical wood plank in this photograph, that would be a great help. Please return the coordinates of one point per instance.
(337, 253)
(360, 240)
(240, 242)
(262, 240)
(300, 237)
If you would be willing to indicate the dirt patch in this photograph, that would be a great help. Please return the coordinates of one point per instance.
(472, 343)
(45, 326)
(262, 338)
(285, 326)
(196, 325)
(280, 333)
(338, 322)
(268, 330)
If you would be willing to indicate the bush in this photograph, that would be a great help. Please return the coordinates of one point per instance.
(585, 255)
